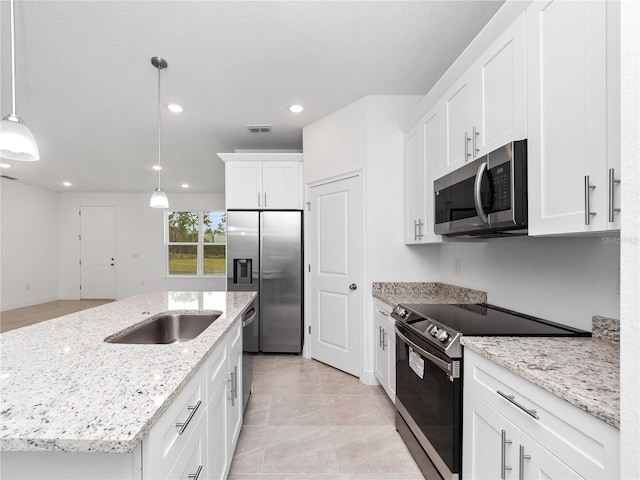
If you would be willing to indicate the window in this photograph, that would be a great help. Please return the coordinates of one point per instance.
(196, 243)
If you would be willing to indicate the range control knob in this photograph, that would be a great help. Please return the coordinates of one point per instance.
(443, 336)
(433, 330)
(402, 312)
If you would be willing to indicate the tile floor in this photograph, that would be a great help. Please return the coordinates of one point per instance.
(308, 421)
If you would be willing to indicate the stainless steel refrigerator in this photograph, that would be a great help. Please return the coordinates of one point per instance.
(264, 254)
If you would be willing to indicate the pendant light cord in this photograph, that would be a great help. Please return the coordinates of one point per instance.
(159, 165)
(13, 59)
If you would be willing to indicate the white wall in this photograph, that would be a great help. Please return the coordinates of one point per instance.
(140, 251)
(28, 245)
(365, 137)
(566, 280)
(335, 144)
(630, 236)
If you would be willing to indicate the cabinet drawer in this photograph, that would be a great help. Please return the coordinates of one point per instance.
(217, 369)
(586, 444)
(192, 464)
(168, 437)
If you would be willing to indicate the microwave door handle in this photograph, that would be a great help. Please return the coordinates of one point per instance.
(476, 187)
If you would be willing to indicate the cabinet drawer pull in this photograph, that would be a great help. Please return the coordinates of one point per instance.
(192, 410)
(503, 455)
(511, 399)
(612, 183)
(382, 312)
(523, 457)
(194, 476)
(587, 204)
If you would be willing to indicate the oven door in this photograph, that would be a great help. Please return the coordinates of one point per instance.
(429, 403)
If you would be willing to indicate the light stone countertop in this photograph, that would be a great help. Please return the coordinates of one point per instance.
(63, 389)
(393, 293)
(583, 371)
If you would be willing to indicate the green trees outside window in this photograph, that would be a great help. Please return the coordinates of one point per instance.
(196, 243)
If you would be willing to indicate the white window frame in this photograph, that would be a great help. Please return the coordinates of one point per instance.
(200, 244)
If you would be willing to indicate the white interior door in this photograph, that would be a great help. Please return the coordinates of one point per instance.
(334, 294)
(97, 252)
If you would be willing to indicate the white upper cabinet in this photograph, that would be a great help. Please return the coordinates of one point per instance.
(423, 151)
(487, 107)
(243, 185)
(256, 181)
(571, 73)
(502, 111)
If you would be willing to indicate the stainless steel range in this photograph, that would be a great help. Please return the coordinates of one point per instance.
(429, 374)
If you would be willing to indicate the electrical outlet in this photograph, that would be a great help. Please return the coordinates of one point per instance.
(456, 266)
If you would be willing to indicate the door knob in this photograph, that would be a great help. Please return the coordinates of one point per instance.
(353, 286)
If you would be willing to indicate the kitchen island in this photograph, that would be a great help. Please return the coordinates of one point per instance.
(65, 390)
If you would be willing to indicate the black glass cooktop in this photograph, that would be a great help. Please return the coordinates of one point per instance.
(485, 320)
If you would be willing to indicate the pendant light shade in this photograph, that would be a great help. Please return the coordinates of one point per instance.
(158, 197)
(16, 140)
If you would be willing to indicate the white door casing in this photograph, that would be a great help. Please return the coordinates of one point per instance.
(334, 260)
(97, 252)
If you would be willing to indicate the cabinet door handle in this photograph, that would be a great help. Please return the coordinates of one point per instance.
(420, 225)
(384, 338)
(379, 336)
(476, 133)
(415, 230)
(235, 381)
(258, 199)
(511, 399)
(523, 457)
(503, 455)
(195, 476)
(192, 410)
(467, 139)
(587, 204)
(612, 183)
(265, 199)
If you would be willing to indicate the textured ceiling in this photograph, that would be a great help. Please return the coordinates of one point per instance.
(88, 91)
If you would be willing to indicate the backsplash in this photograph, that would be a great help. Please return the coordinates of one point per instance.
(606, 328)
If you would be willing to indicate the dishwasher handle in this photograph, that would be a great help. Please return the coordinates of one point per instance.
(249, 317)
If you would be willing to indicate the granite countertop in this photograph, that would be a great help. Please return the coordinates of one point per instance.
(583, 371)
(64, 389)
(393, 293)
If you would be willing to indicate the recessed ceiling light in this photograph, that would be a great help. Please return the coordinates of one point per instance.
(66, 184)
(185, 185)
(157, 167)
(296, 108)
(175, 108)
(5, 165)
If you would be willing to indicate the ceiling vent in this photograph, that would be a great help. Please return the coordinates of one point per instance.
(8, 177)
(259, 128)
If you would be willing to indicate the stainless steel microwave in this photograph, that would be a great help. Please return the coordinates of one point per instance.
(486, 197)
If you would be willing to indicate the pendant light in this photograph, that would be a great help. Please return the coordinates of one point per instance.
(16, 140)
(159, 198)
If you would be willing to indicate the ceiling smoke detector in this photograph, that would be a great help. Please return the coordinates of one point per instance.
(259, 128)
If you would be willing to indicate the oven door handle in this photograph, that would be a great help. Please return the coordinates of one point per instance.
(449, 368)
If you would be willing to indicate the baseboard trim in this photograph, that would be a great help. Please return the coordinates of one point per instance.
(369, 378)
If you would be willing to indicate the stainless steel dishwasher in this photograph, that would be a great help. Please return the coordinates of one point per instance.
(248, 317)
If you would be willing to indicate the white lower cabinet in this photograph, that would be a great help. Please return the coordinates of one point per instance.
(385, 348)
(525, 432)
(195, 438)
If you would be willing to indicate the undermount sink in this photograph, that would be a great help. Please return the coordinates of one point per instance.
(170, 328)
